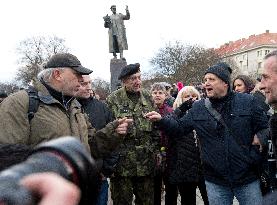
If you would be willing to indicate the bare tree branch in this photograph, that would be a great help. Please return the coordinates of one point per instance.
(186, 63)
(101, 87)
(33, 52)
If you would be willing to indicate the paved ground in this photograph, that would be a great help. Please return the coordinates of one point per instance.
(198, 200)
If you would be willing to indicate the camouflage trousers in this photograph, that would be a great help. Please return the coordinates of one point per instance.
(123, 188)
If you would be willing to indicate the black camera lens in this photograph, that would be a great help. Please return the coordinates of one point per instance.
(64, 156)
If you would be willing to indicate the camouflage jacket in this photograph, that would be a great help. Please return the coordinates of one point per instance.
(140, 145)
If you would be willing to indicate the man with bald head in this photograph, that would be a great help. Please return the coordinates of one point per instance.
(99, 116)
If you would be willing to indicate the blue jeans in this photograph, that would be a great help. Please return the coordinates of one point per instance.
(245, 194)
(103, 195)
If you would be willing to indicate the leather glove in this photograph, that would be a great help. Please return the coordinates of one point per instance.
(185, 106)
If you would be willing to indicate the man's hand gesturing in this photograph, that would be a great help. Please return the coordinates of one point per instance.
(123, 125)
(153, 116)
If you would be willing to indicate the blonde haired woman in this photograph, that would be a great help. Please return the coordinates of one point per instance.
(185, 94)
(185, 164)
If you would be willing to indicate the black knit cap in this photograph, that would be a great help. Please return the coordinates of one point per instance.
(221, 70)
(62, 60)
(129, 70)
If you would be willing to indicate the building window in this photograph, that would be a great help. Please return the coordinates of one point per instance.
(259, 53)
(266, 52)
(240, 64)
(260, 65)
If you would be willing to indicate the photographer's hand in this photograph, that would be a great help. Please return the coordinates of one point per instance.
(52, 189)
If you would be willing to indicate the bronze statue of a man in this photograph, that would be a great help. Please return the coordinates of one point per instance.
(117, 33)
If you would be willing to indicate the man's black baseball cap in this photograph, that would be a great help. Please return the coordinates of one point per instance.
(62, 60)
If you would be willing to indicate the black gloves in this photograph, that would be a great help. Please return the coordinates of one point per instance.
(185, 106)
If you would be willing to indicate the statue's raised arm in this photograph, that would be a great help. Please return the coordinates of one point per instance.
(127, 16)
(117, 31)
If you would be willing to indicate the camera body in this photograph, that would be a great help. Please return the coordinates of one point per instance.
(65, 156)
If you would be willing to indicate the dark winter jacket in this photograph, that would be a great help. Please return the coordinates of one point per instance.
(261, 100)
(98, 112)
(226, 161)
(184, 165)
(11, 154)
(182, 157)
(99, 116)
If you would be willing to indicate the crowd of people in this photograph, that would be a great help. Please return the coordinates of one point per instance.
(164, 139)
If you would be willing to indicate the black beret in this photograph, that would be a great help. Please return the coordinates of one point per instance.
(62, 60)
(129, 70)
(221, 70)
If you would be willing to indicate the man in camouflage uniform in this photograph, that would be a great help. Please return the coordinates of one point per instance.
(134, 172)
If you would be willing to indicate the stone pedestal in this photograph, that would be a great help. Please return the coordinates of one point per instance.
(115, 68)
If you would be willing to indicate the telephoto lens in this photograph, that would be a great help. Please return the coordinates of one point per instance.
(65, 156)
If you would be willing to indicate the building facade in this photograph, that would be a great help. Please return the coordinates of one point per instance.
(248, 53)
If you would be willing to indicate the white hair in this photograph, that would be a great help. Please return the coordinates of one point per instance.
(187, 89)
(46, 74)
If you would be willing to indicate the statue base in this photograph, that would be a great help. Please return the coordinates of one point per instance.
(115, 68)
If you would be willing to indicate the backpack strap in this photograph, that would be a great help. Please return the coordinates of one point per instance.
(33, 102)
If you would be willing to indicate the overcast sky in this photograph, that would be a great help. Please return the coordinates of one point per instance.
(153, 23)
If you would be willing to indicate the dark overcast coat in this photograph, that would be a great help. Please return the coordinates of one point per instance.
(226, 161)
